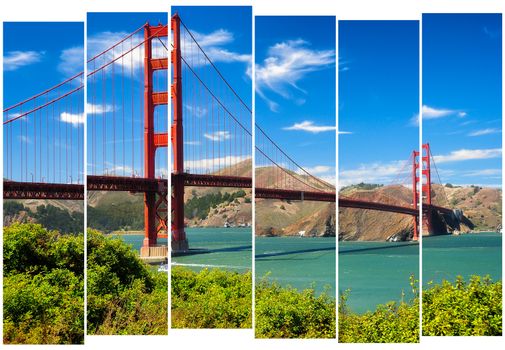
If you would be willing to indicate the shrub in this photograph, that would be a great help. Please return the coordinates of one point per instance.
(43, 286)
(124, 295)
(463, 308)
(211, 299)
(390, 323)
(284, 312)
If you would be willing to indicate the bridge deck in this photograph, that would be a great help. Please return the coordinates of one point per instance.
(41, 190)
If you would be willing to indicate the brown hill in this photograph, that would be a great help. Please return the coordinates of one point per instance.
(287, 218)
(370, 225)
(481, 208)
(481, 205)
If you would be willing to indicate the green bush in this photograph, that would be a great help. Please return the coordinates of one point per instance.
(287, 313)
(463, 308)
(389, 323)
(211, 299)
(43, 286)
(124, 295)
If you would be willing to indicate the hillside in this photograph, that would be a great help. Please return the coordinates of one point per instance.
(370, 225)
(65, 216)
(288, 218)
(482, 205)
(481, 208)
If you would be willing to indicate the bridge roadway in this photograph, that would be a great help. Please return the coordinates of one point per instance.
(35, 190)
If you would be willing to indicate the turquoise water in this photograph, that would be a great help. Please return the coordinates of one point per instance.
(224, 248)
(296, 261)
(376, 272)
(136, 240)
(445, 257)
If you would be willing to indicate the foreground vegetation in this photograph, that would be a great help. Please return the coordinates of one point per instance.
(284, 312)
(43, 286)
(125, 296)
(463, 308)
(211, 299)
(390, 323)
(459, 308)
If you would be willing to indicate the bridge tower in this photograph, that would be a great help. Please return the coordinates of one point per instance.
(422, 167)
(179, 241)
(155, 203)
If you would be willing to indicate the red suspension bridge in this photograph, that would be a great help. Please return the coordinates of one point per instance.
(127, 138)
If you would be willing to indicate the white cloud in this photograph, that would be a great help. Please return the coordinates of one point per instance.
(316, 170)
(310, 127)
(484, 132)
(218, 136)
(213, 43)
(374, 173)
(74, 119)
(212, 164)
(484, 172)
(71, 61)
(192, 143)
(24, 139)
(17, 59)
(331, 179)
(131, 62)
(98, 108)
(287, 63)
(436, 113)
(468, 154)
(345, 132)
(196, 110)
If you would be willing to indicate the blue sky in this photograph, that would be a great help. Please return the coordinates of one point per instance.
(37, 56)
(295, 88)
(225, 35)
(462, 96)
(123, 146)
(378, 98)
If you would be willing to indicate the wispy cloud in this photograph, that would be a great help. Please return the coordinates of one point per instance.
(484, 132)
(436, 113)
(468, 154)
(343, 65)
(483, 172)
(71, 61)
(309, 126)
(324, 172)
(16, 59)
(74, 119)
(196, 110)
(340, 132)
(213, 44)
(374, 173)
(218, 136)
(287, 63)
(192, 143)
(493, 34)
(24, 139)
(131, 62)
(98, 108)
(317, 170)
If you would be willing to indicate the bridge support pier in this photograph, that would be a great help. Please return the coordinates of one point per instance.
(179, 241)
